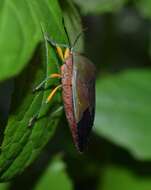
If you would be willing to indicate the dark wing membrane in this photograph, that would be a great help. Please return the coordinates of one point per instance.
(83, 84)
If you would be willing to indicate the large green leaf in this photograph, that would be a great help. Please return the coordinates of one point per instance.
(117, 178)
(22, 144)
(99, 6)
(123, 113)
(55, 177)
(20, 31)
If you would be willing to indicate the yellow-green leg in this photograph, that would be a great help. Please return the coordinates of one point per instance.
(54, 75)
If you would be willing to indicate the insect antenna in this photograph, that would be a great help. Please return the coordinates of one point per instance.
(77, 38)
(65, 29)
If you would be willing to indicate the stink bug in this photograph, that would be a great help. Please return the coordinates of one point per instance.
(78, 91)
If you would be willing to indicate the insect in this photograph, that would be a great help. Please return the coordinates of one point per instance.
(78, 91)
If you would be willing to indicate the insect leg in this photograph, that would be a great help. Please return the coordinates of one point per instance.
(58, 48)
(66, 53)
(55, 112)
(54, 75)
(53, 93)
(60, 52)
(36, 118)
(53, 43)
(32, 120)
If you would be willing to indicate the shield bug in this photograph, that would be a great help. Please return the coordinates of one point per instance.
(78, 91)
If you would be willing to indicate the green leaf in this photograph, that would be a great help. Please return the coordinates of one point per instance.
(21, 143)
(123, 111)
(55, 177)
(100, 6)
(20, 31)
(117, 178)
(144, 6)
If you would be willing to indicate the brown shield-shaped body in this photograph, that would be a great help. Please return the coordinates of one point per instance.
(78, 83)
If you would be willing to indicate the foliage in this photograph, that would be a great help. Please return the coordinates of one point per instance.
(55, 171)
(123, 111)
(116, 177)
